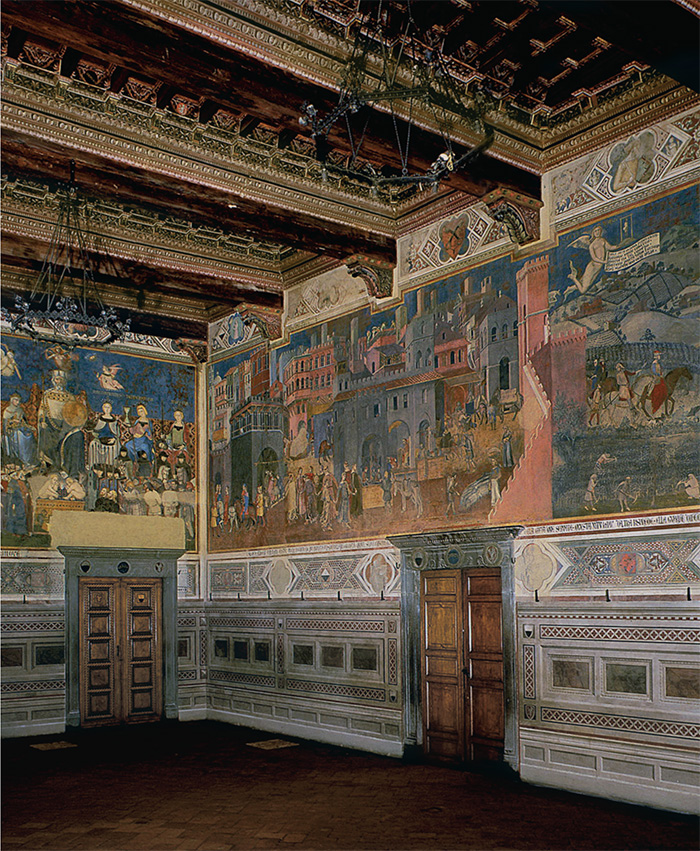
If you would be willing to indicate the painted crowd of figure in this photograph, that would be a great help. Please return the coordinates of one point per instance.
(59, 453)
(310, 494)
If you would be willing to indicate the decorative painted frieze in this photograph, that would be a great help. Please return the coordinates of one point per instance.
(627, 171)
(369, 572)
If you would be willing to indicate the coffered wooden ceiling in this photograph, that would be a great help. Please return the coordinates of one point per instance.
(183, 119)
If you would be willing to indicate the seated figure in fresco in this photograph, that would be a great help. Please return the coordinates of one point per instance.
(179, 433)
(142, 435)
(62, 415)
(104, 446)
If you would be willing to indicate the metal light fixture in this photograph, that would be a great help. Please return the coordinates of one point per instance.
(64, 304)
(400, 70)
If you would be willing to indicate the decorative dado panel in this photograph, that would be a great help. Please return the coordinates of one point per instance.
(655, 775)
(614, 557)
(611, 670)
(322, 670)
(347, 571)
(609, 694)
(192, 661)
(33, 669)
(38, 576)
(601, 720)
(188, 572)
(31, 576)
(612, 633)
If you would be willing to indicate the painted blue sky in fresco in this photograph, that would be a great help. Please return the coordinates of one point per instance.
(160, 385)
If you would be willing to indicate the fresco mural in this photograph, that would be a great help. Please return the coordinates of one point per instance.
(627, 440)
(406, 418)
(565, 385)
(93, 430)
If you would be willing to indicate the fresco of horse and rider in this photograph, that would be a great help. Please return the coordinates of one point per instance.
(93, 430)
(631, 280)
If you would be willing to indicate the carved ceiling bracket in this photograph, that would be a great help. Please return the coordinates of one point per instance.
(377, 275)
(519, 214)
(267, 320)
(196, 349)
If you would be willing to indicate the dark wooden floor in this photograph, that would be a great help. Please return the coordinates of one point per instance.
(199, 786)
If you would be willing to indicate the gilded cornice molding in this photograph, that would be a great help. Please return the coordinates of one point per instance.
(645, 108)
(30, 211)
(136, 135)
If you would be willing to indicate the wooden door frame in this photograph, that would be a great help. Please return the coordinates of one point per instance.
(491, 547)
(108, 563)
(120, 658)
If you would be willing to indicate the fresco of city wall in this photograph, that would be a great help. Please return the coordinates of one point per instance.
(87, 429)
(560, 385)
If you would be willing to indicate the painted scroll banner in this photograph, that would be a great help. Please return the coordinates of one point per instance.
(623, 258)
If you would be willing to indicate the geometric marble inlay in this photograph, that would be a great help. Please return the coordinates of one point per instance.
(656, 727)
(639, 563)
(618, 633)
(529, 692)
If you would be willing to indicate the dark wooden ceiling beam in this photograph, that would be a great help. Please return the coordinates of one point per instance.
(170, 196)
(194, 65)
(212, 292)
(661, 33)
(143, 322)
(155, 48)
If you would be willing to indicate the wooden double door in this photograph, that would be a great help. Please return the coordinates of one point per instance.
(121, 653)
(462, 665)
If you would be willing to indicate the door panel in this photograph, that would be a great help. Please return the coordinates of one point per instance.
(484, 668)
(142, 681)
(98, 602)
(121, 665)
(441, 635)
(462, 637)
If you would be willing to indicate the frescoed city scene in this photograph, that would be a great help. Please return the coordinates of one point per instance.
(93, 430)
(626, 433)
(403, 419)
